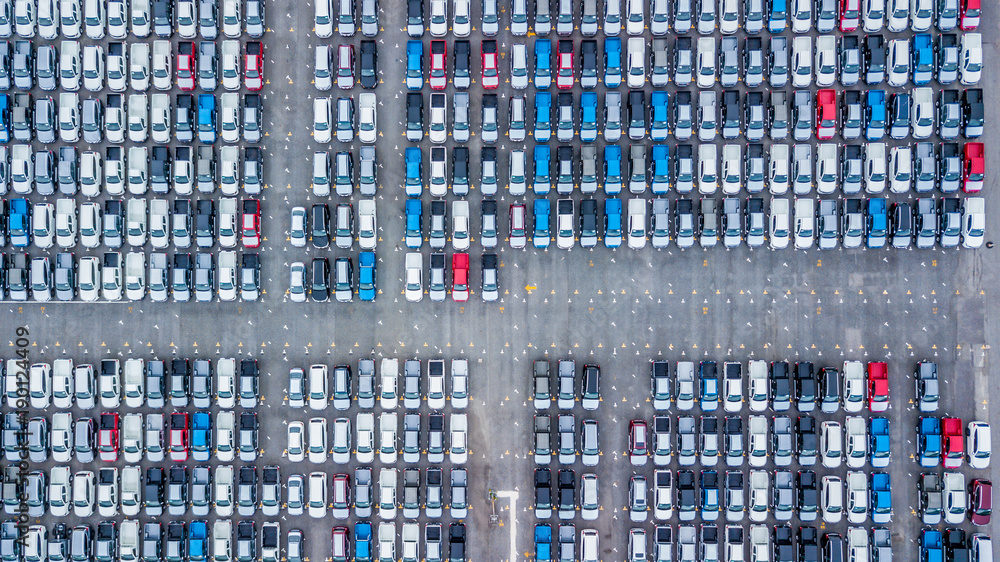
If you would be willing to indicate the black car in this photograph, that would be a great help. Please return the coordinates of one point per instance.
(805, 385)
(972, 113)
(806, 440)
(204, 223)
(246, 488)
(829, 386)
(460, 170)
(320, 284)
(731, 127)
(637, 114)
(163, 18)
(180, 382)
(808, 544)
(543, 491)
(456, 542)
(782, 549)
(833, 547)
(106, 542)
(177, 489)
(184, 121)
(320, 225)
(901, 225)
(414, 116)
(246, 541)
(462, 75)
(567, 493)
(683, 214)
(808, 494)
(899, 115)
(369, 65)
(159, 169)
(588, 222)
(686, 498)
(114, 223)
(956, 545)
(780, 385)
(249, 382)
(176, 541)
(248, 436)
(874, 59)
(588, 63)
(415, 18)
(755, 115)
(182, 275)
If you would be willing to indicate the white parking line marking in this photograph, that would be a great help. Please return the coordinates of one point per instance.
(512, 494)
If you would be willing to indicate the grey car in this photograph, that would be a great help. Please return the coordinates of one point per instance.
(45, 120)
(46, 68)
(828, 224)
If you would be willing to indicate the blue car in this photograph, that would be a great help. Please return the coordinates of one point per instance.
(19, 223)
(929, 441)
(709, 492)
(931, 549)
(875, 115)
(878, 223)
(543, 169)
(612, 222)
(198, 541)
(363, 541)
(543, 116)
(543, 64)
(660, 168)
(777, 17)
(878, 442)
(414, 65)
(367, 285)
(414, 171)
(201, 436)
(880, 497)
(541, 237)
(206, 118)
(612, 62)
(922, 53)
(4, 118)
(708, 377)
(612, 169)
(588, 116)
(414, 219)
(659, 113)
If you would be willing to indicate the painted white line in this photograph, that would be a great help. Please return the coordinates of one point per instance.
(512, 494)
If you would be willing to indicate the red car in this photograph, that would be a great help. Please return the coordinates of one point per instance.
(980, 501)
(341, 544)
(850, 14)
(251, 223)
(179, 436)
(439, 65)
(491, 74)
(564, 74)
(187, 65)
(826, 114)
(878, 386)
(974, 170)
(460, 277)
(638, 453)
(952, 442)
(107, 440)
(254, 66)
(970, 15)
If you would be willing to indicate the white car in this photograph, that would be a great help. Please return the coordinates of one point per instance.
(972, 58)
(637, 223)
(757, 442)
(857, 497)
(856, 438)
(296, 441)
(317, 495)
(853, 393)
(801, 67)
(341, 440)
(229, 116)
(89, 278)
(317, 440)
(921, 15)
(162, 63)
(729, 16)
(826, 60)
(898, 62)
(873, 15)
(134, 383)
(733, 386)
(159, 118)
(90, 224)
(413, 279)
(139, 66)
(70, 17)
(978, 447)
(801, 15)
(59, 491)
(955, 499)
(439, 18)
(389, 375)
(832, 499)
(367, 122)
(973, 222)
(462, 18)
(706, 62)
(93, 68)
(458, 451)
(367, 224)
(922, 112)
(760, 483)
(387, 478)
(758, 386)
(732, 169)
(900, 168)
(230, 64)
(84, 492)
(388, 424)
(118, 17)
(365, 441)
(805, 222)
(635, 21)
(317, 382)
(323, 19)
(831, 444)
(43, 224)
(62, 436)
(138, 113)
(636, 68)
(69, 65)
(322, 119)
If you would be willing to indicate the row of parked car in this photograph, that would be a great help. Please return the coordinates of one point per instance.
(114, 18)
(140, 119)
(312, 387)
(680, 16)
(946, 496)
(118, 223)
(112, 278)
(326, 126)
(122, 66)
(940, 441)
(315, 226)
(134, 383)
(870, 115)
(418, 439)
(159, 169)
(828, 225)
(321, 285)
(844, 59)
(779, 543)
(460, 282)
